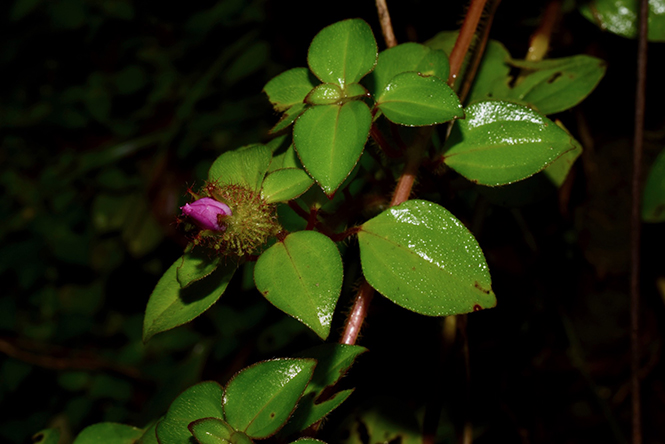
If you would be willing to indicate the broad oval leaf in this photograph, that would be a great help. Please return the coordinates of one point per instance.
(555, 85)
(108, 433)
(285, 184)
(418, 255)
(302, 276)
(653, 201)
(329, 140)
(194, 266)
(413, 100)
(260, 399)
(289, 88)
(245, 166)
(211, 431)
(620, 17)
(343, 52)
(502, 142)
(170, 306)
(203, 400)
(407, 57)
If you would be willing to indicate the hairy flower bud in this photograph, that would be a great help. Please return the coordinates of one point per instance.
(206, 213)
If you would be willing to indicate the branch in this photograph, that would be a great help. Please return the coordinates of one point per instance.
(386, 24)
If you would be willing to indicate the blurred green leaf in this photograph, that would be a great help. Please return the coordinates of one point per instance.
(653, 200)
(108, 433)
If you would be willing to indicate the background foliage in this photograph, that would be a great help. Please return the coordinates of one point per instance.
(111, 108)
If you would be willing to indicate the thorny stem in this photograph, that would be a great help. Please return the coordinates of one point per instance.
(386, 24)
(638, 142)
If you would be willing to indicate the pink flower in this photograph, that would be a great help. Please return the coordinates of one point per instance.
(206, 212)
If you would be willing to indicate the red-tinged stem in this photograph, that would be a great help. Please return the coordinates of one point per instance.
(635, 222)
(386, 24)
(385, 146)
(465, 38)
(355, 320)
(312, 219)
(298, 210)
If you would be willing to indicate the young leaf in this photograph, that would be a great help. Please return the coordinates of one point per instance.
(501, 142)
(245, 166)
(289, 88)
(108, 433)
(343, 52)
(329, 140)
(170, 306)
(620, 17)
(302, 276)
(285, 184)
(211, 431)
(421, 257)
(194, 266)
(407, 57)
(555, 85)
(203, 400)
(260, 399)
(653, 201)
(413, 100)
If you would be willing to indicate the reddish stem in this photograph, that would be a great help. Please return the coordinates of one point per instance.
(355, 320)
(464, 38)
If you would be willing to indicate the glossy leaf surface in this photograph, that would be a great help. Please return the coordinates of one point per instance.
(108, 433)
(555, 85)
(211, 431)
(343, 52)
(501, 142)
(194, 266)
(290, 88)
(653, 200)
(330, 139)
(413, 100)
(245, 166)
(285, 184)
(203, 400)
(407, 57)
(620, 17)
(170, 306)
(418, 255)
(325, 94)
(302, 276)
(260, 398)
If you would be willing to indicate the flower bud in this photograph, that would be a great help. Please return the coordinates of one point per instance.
(206, 213)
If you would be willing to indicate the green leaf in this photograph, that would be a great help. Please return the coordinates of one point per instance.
(285, 184)
(501, 142)
(381, 421)
(195, 265)
(308, 441)
(245, 166)
(108, 433)
(491, 81)
(260, 398)
(211, 431)
(325, 94)
(333, 362)
(653, 201)
(407, 57)
(46, 436)
(290, 88)
(413, 100)
(620, 17)
(555, 85)
(302, 276)
(203, 400)
(558, 170)
(310, 412)
(418, 255)
(289, 116)
(343, 52)
(329, 140)
(149, 435)
(170, 306)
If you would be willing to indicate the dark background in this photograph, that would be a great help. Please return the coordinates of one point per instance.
(110, 109)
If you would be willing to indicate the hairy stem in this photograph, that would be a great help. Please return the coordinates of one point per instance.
(640, 99)
(464, 39)
(358, 313)
(386, 24)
